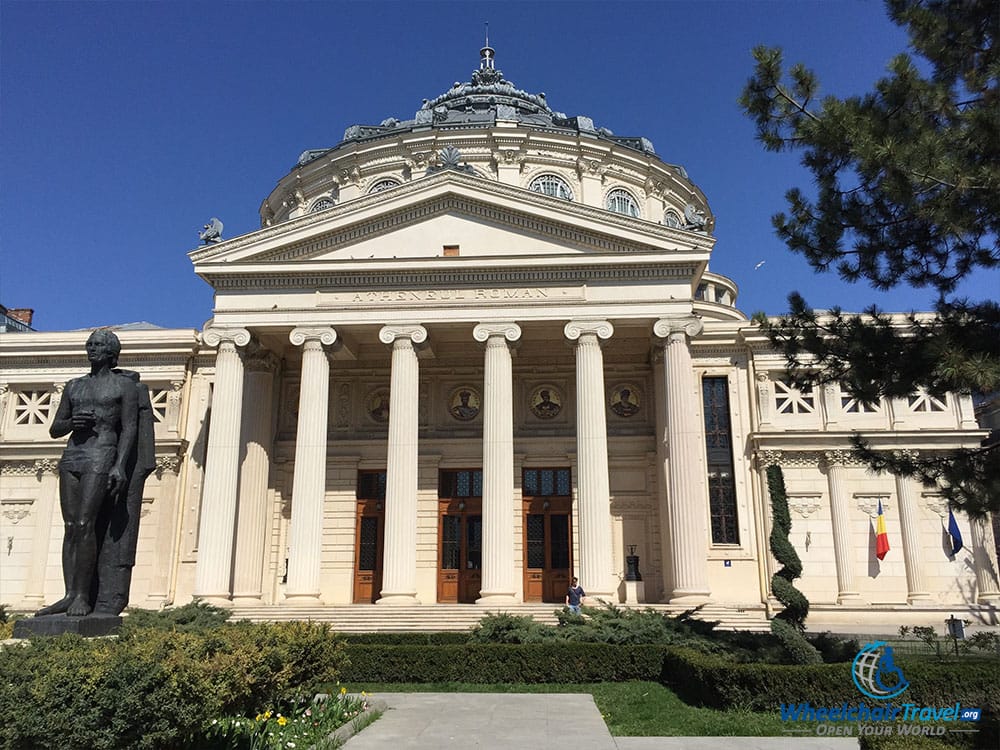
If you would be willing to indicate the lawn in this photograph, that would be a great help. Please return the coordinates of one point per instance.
(630, 709)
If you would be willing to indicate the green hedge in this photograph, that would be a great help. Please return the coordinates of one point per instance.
(153, 688)
(503, 663)
(408, 639)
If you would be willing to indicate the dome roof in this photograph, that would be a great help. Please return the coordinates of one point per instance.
(481, 102)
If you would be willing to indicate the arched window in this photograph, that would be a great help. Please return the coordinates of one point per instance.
(621, 202)
(672, 219)
(381, 185)
(552, 185)
(321, 205)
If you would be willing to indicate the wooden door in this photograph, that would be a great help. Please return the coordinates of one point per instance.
(460, 550)
(547, 549)
(370, 530)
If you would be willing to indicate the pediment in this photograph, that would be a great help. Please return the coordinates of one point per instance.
(481, 217)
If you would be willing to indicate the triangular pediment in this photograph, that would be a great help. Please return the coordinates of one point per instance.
(475, 217)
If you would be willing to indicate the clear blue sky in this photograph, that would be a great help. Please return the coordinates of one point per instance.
(124, 126)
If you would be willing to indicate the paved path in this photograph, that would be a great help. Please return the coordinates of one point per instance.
(533, 721)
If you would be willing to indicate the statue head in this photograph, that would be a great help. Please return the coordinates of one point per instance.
(104, 344)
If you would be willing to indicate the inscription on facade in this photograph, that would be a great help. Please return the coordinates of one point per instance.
(439, 296)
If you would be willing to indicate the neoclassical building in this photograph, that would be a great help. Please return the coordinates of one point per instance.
(467, 356)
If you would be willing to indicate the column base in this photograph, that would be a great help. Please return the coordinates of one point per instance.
(216, 601)
(605, 597)
(302, 600)
(31, 603)
(850, 597)
(919, 597)
(497, 600)
(248, 600)
(680, 596)
(398, 600)
(990, 597)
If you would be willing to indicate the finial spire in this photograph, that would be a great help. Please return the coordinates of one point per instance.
(487, 53)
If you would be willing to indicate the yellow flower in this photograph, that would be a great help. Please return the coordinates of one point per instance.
(267, 715)
(282, 720)
(343, 691)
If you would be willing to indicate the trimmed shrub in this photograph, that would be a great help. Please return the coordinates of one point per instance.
(194, 617)
(409, 639)
(155, 688)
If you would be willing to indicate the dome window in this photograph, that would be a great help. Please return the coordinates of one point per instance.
(672, 219)
(549, 184)
(621, 202)
(321, 205)
(381, 185)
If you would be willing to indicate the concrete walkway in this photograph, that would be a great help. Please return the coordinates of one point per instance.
(533, 721)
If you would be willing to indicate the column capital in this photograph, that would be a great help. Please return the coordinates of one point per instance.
(664, 328)
(415, 333)
(576, 328)
(483, 331)
(325, 335)
(213, 336)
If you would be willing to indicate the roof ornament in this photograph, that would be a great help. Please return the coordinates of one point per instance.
(449, 158)
(695, 218)
(211, 232)
(487, 73)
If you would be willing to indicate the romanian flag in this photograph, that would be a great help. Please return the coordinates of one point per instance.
(881, 535)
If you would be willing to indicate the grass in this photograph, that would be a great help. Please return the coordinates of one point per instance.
(630, 709)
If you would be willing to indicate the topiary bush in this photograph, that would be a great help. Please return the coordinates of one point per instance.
(789, 624)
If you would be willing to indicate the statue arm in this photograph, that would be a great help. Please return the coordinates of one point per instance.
(62, 423)
(130, 425)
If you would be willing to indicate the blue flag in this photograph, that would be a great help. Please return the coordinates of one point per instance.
(954, 533)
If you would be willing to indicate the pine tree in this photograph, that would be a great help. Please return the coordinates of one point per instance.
(907, 193)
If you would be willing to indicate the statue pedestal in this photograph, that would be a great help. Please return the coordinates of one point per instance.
(635, 592)
(91, 626)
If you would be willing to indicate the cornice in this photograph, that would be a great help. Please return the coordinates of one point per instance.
(315, 279)
(368, 226)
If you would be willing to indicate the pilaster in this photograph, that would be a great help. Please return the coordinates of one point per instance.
(834, 462)
(47, 471)
(909, 529)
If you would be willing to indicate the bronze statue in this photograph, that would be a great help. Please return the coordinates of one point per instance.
(107, 458)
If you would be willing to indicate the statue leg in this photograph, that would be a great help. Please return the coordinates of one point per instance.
(93, 490)
(69, 492)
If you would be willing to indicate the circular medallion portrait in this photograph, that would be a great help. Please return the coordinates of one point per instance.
(377, 405)
(545, 402)
(625, 400)
(463, 404)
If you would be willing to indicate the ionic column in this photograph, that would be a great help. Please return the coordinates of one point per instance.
(984, 561)
(909, 530)
(47, 470)
(593, 493)
(688, 486)
(399, 560)
(841, 522)
(663, 473)
(498, 585)
(251, 524)
(167, 468)
(214, 568)
(309, 478)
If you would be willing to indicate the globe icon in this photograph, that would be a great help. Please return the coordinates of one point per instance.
(875, 673)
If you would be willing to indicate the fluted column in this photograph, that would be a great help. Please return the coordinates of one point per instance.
(305, 538)
(214, 569)
(498, 584)
(399, 559)
(34, 585)
(909, 530)
(165, 544)
(984, 561)
(593, 493)
(687, 492)
(841, 522)
(663, 474)
(251, 522)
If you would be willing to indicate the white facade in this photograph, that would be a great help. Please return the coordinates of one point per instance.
(430, 380)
